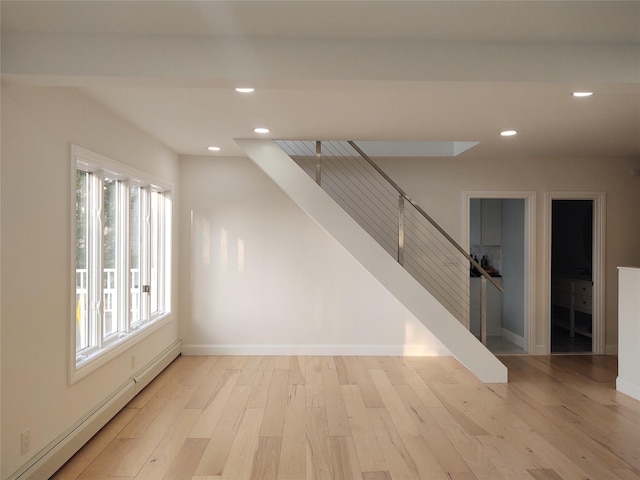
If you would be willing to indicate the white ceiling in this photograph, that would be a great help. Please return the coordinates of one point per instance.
(367, 70)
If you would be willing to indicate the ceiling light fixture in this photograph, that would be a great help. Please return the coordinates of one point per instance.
(245, 89)
(508, 133)
(261, 130)
(582, 94)
(213, 149)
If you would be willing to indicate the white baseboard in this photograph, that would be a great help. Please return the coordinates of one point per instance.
(628, 388)
(317, 350)
(514, 338)
(48, 460)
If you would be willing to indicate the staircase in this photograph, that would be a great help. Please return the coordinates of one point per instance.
(430, 281)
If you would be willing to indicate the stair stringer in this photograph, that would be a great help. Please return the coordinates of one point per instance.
(295, 183)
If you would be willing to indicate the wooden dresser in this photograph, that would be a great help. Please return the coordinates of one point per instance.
(575, 295)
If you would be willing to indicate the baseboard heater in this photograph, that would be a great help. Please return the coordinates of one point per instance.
(46, 462)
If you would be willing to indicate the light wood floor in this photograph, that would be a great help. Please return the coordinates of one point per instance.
(370, 418)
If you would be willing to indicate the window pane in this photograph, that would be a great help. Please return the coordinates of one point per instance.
(134, 254)
(110, 257)
(82, 260)
(156, 242)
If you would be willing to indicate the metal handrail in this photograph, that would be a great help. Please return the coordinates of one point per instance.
(420, 245)
(403, 194)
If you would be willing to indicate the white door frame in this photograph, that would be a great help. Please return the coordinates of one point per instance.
(598, 274)
(529, 254)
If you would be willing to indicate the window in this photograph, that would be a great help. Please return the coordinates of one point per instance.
(122, 255)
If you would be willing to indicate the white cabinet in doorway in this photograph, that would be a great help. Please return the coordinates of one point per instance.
(486, 221)
(494, 307)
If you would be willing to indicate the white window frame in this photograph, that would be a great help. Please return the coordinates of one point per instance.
(101, 347)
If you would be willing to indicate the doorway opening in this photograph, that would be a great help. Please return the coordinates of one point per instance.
(572, 279)
(501, 229)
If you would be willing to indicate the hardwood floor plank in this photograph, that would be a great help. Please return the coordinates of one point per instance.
(424, 392)
(283, 363)
(318, 454)
(344, 459)
(621, 442)
(261, 382)
(207, 387)
(463, 476)
(238, 465)
(527, 410)
(313, 376)
(580, 455)
(292, 452)
(360, 374)
(123, 457)
(186, 461)
(376, 476)
(547, 457)
(265, 460)
(544, 474)
(249, 370)
(475, 458)
(195, 374)
(236, 362)
(631, 415)
(160, 460)
(337, 420)
(475, 407)
(296, 371)
(425, 462)
(215, 456)
(627, 474)
(273, 419)
(392, 402)
(394, 367)
(260, 389)
(219, 398)
(364, 436)
(434, 371)
(397, 458)
(509, 456)
(439, 445)
(344, 373)
(156, 417)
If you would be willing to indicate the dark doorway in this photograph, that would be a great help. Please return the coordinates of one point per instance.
(572, 276)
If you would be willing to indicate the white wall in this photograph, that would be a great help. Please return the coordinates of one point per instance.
(38, 127)
(513, 266)
(258, 275)
(628, 380)
(438, 185)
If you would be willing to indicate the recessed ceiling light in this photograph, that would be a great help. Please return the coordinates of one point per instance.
(245, 89)
(213, 149)
(582, 94)
(508, 133)
(261, 130)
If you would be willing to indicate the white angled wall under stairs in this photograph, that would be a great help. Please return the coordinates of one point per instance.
(367, 252)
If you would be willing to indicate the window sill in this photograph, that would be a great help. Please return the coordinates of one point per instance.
(79, 369)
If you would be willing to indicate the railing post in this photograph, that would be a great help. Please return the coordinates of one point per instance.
(483, 310)
(318, 162)
(401, 230)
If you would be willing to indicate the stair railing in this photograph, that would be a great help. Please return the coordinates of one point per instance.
(397, 223)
